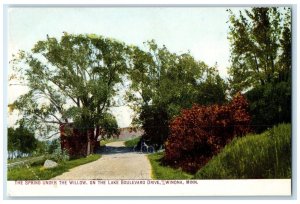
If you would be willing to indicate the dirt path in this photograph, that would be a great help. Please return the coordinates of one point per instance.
(117, 162)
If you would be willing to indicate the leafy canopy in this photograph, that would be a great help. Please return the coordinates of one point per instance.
(260, 41)
(163, 83)
(72, 79)
(21, 139)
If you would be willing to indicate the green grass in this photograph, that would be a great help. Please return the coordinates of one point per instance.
(105, 141)
(25, 159)
(165, 172)
(40, 173)
(132, 142)
(267, 155)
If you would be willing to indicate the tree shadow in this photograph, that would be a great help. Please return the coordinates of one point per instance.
(105, 150)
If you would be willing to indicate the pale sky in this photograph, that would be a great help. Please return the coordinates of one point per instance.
(202, 31)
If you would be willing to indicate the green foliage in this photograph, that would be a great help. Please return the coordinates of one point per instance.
(103, 142)
(166, 79)
(132, 142)
(78, 69)
(13, 143)
(212, 91)
(267, 155)
(163, 172)
(109, 126)
(285, 60)
(155, 124)
(261, 63)
(59, 155)
(37, 172)
(21, 139)
(83, 71)
(41, 148)
(53, 146)
(260, 47)
(270, 104)
(163, 83)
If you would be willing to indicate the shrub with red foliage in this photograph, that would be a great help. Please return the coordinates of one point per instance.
(200, 132)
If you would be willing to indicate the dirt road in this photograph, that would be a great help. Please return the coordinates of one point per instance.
(117, 162)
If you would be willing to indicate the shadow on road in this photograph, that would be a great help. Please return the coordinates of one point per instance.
(114, 150)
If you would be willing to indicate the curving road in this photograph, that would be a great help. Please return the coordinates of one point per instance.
(117, 162)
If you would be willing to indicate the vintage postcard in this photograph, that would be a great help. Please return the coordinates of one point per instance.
(149, 100)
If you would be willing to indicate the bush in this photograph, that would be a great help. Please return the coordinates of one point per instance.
(270, 104)
(59, 155)
(200, 132)
(62, 156)
(53, 145)
(155, 123)
(132, 142)
(267, 155)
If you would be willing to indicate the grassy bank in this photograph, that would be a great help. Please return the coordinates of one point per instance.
(255, 156)
(38, 172)
(267, 155)
(105, 141)
(132, 142)
(25, 159)
(165, 172)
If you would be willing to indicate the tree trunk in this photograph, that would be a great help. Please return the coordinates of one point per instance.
(88, 151)
(90, 141)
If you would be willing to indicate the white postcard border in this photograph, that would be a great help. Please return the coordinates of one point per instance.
(237, 187)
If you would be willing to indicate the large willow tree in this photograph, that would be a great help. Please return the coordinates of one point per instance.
(72, 79)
